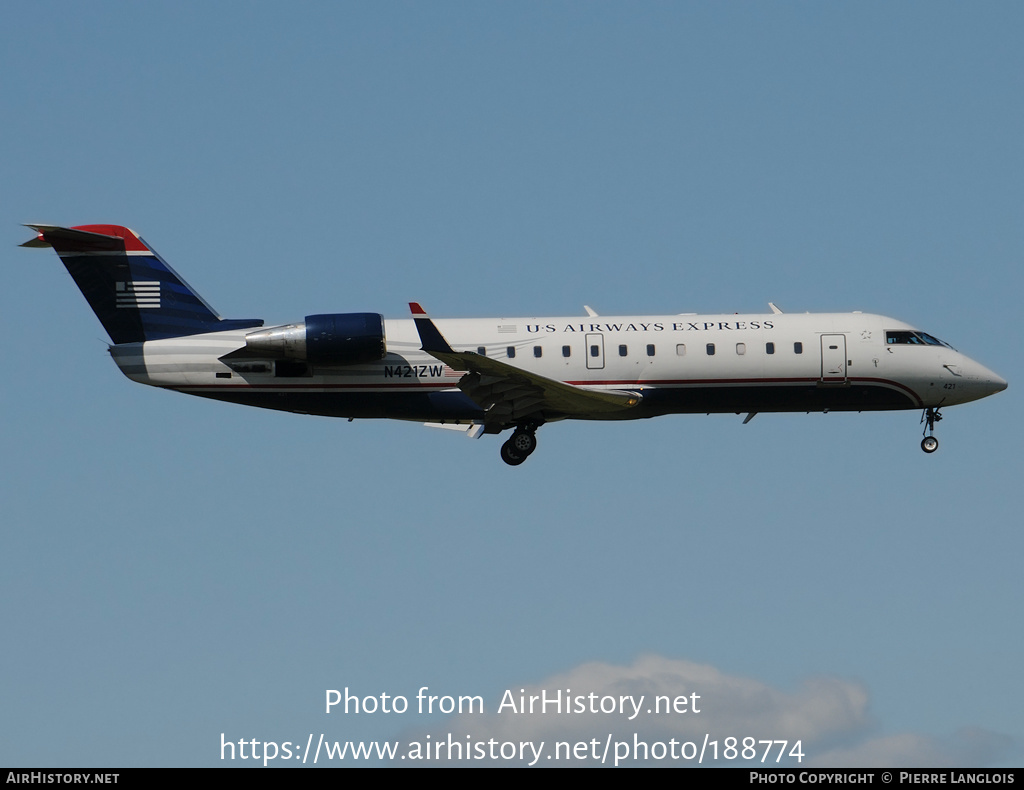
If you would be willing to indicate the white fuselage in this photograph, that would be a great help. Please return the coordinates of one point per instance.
(677, 363)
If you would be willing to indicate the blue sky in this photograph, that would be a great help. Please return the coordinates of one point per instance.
(176, 569)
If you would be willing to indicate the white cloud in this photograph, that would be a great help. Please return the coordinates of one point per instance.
(828, 715)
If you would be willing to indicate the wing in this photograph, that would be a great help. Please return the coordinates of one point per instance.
(512, 395)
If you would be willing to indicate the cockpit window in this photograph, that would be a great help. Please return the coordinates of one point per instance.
(906, 338)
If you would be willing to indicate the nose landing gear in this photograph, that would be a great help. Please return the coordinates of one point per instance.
(520, 445)
(931, 416)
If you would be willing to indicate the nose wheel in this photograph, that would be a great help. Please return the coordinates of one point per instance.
(931, 416)
(519, 446)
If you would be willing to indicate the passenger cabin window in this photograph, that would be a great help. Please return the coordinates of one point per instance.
(595, 351)
(769, 348)
(798, 348)
(511, 351)
(680, 349)
(566, 351)
(650, 349)
(711, 349)
(537, 351)
(741, 348)
(622, 351)
(481, 351)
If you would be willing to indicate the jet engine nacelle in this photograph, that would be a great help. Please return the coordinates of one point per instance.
(329, 338)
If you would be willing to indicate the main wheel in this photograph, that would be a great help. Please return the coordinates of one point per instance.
(509, 454)
(929, 444)
(523, 442)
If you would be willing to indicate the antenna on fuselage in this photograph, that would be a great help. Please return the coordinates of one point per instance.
(775, 309)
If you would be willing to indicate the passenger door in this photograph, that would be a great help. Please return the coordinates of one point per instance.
(833, 359)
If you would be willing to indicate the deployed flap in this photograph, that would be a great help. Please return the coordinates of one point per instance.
(473, 430)
(511, 394)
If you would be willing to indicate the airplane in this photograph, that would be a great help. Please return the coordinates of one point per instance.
(489, 375)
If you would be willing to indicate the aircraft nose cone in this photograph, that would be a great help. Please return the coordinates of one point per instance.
(978, 381)
(990, 383)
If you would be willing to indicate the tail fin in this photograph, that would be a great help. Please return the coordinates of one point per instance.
(132, 290)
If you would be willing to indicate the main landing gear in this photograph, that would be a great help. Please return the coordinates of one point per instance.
(931, 416)
(519, 446)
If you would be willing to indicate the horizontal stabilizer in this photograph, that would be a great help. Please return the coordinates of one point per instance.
(73, 238)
